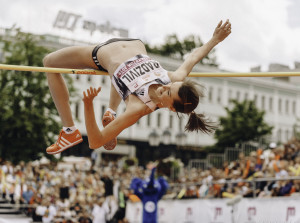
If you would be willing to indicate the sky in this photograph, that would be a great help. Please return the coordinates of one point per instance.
(263, 31)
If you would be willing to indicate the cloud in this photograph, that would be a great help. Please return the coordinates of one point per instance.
(293, 14)
(263, 31)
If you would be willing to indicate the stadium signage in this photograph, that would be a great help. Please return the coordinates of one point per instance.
(70, 21)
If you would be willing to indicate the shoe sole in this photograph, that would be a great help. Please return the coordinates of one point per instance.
(112, 143)
(106, 120)
(66, 147)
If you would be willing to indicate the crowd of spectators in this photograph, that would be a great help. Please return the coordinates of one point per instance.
(98, 193)
(68, 193)
(246, 175)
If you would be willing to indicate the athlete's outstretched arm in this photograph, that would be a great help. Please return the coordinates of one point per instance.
(92, 128)
(220, 33)
(97, 137)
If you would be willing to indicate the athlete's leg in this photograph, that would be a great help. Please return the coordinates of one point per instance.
(77, 57)
(70, 57)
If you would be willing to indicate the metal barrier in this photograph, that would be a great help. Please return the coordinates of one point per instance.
(252, 181)
(198, 164)
(247, 148)
(230, 154)
(216, 159)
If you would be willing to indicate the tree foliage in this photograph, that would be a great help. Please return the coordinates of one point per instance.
(28, 117)
(244, 122)
(175, 48)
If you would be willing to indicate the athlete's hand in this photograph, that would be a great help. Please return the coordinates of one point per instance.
(222, 31)
(90, 94)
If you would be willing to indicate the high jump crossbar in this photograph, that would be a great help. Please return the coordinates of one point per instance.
(98, 72)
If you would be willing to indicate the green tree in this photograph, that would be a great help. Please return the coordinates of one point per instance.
(244, 122)
(28, 117)
(175, 48)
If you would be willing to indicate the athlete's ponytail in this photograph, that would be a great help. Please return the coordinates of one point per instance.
(190, 93)
(200, 122)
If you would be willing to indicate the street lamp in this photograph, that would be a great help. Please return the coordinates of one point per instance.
(154, 138)
(181, 138)
(166, 137)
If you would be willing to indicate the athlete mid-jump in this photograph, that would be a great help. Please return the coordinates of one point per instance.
(136, 78)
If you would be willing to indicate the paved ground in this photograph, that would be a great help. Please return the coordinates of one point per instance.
(14, 219)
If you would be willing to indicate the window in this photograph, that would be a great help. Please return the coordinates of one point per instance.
(271, 104)
(287, 104)
(263, 102)
(103, 109)
(180, 123)
(171, 121)
(219, 99)
(238, 96)
(103, 79)
(89, 79)
(149, 120)
(255, 100)
(294, 107)
(77, 76)
(158, 120)
(246, 97)
(229, 95)
(210, 94)
(279, 105)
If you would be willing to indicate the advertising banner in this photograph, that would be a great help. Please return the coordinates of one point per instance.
(248, 210)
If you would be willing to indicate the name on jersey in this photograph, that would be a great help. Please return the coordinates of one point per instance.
(137, 68)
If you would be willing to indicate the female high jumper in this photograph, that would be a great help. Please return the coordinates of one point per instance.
(136, 78)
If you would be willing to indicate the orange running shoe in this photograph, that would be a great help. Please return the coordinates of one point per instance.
(65, 141)
(107, 118)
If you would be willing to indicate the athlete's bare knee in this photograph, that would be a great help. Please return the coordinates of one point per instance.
(49, 60)
(46, 61)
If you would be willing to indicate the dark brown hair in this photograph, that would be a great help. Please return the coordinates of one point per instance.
(190, 94)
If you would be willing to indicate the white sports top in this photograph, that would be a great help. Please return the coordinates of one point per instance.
(136, 75)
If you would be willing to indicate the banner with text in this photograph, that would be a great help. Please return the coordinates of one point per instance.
(265, 210)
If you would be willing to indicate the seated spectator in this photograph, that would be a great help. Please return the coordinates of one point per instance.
(28, 195)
